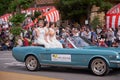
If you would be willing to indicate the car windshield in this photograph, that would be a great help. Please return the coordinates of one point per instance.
(78, 42)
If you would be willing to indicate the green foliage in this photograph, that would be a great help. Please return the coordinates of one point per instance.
(17, 5)
(70, 9)
(105, 6)
(16, 30)
(95, 22)
(17, 19)
(4, 6)
(25, 3)
(77, 9)
(12, 6)
(36, 14)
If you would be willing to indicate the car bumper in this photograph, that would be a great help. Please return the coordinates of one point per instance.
(117, 63)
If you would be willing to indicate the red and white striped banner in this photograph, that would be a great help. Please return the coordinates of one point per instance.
(113, 17)
(5, 17)
(52, 15)
(114, 10)
(112, 20)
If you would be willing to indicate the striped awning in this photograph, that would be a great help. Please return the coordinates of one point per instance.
(5, 17)
(113, 17)
(52, 15)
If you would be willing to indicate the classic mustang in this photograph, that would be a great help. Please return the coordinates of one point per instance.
(100, 60)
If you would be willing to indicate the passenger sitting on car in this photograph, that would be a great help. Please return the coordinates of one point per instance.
(40, 35)
(52, 36)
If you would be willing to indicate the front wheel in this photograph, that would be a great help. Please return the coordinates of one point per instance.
(32, 63)
(99, 67)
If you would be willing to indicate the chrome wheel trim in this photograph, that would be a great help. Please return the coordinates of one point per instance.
(31, 63)
(98, 66)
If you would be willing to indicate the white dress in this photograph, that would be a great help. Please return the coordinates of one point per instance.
(47, 36)
(41, 38)
(53, 41)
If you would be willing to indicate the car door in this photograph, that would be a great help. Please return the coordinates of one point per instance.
(65, 56)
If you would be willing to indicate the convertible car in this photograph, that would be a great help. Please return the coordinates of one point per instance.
(100, 60)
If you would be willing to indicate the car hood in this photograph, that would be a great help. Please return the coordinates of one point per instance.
(117, 49)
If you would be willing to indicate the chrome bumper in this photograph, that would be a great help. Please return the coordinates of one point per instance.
(114, 61)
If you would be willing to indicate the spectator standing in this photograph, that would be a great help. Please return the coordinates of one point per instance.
(26, 41)
(75, 32)
(83, 33)
(110, 37)
(118, 34)
(88, 35)
(98, 29)
(19, 41)
(0, 28)
(93, 36)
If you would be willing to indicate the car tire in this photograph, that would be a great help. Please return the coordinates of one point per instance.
(32, 63)
(99, 67)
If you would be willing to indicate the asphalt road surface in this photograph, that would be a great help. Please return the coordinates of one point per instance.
(10, 69)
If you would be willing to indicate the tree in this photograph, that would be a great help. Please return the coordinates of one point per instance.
(105, 6)
(95, 22)
(17, 5)
(16, 31)
(18, 18)
(14, 5)
(77, 9)
(4, 6)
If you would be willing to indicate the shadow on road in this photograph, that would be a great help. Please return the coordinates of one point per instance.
(63, 70)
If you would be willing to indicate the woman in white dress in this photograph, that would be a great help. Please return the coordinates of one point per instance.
(52, 35)
(40, 33)
(47, 38)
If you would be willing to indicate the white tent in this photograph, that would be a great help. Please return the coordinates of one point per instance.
(113, 17)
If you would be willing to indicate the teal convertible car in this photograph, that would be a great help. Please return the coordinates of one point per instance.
(99, 60)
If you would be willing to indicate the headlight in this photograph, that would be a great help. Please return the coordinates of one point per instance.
(118, 55)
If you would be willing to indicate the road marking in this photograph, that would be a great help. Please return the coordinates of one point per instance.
(15, 64)
(18, 76)
(7, 59)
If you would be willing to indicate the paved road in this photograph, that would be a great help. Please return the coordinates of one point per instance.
(10, 68)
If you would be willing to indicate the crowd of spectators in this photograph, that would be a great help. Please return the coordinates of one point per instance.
(99, 36)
